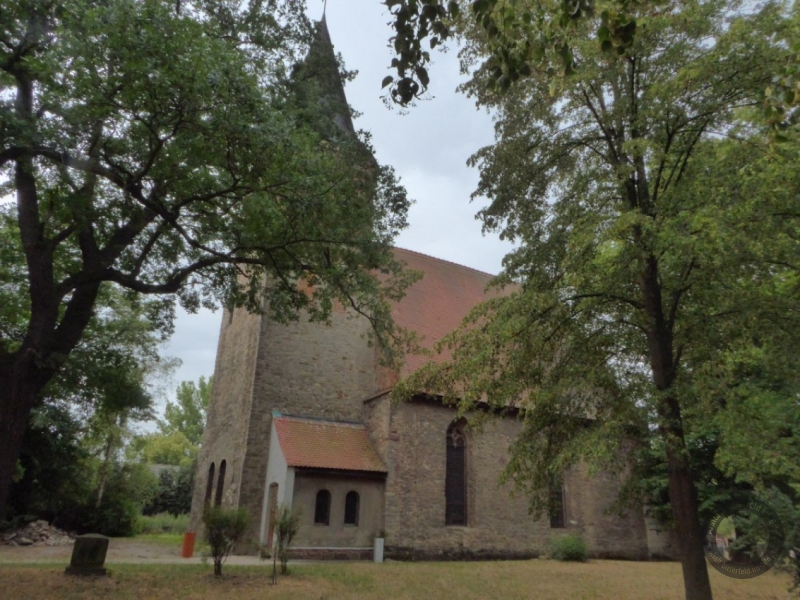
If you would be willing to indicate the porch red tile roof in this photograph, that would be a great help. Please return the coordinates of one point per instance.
(435, 305)
(320, 444)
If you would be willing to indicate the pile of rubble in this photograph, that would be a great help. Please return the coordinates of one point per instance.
(37, 533)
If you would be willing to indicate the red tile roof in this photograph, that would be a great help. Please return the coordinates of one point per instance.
(326, 445)
(436, 305)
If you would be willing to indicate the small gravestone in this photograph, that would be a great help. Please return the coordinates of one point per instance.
(88, 555)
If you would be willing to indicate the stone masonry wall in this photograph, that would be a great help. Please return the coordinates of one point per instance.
(377, 420)
(336, 534)
(498, 524)
(607, 534)
(304, 369)
(229, 410)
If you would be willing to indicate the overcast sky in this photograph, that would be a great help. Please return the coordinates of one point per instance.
(428, 146)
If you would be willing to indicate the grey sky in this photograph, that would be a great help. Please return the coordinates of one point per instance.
(428, 147)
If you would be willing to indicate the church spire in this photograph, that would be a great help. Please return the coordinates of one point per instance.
(320, 70)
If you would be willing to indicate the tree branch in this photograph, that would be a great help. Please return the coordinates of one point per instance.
(634, 303)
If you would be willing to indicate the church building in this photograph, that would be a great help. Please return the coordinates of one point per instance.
(301, 416)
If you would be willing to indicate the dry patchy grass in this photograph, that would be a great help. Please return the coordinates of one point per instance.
(431, 581)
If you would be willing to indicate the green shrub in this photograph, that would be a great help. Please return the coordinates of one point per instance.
(223, 528)
(162, 523)
(128, 488)
(570, 547)
(286, 526)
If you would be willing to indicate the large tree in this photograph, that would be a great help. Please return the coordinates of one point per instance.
(657, 243)
(187, 415)
(154, 145)
(180, 431)
(74, 436)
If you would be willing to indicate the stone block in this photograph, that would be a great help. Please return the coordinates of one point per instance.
(88, 555)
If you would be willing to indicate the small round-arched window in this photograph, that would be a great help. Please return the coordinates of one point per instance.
(351, 503)
(322, 508)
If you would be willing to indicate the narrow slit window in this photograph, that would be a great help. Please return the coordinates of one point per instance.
(322, 509)
(209, 484)
(220, 483)
(351, 503)
(455, 485)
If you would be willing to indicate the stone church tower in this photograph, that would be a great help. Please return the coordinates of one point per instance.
(264, 368)
(300, 415)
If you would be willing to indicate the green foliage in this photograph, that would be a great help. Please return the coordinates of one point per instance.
(518, 36)
(58, 471)
(168, 208)
(287, 523)
(224, 527)
(180, 431)
(162, 449)
(782, 97)
(174, 493)
(188, 415)
(62, 477)
(19, 472)
(159, 151)
(568, 548)
(594, 210)
(787, 506)
(127, 490)
(162, 523)
(653, 291)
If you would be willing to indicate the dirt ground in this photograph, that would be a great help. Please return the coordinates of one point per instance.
(119, 550)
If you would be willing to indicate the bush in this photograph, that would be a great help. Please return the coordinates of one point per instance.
(128, 488)
(286, 526)
(162, 523)
(59, 475)
(570, 547)
(57, 471)
(223, 528)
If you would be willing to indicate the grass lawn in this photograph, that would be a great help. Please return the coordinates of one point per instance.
(429, 581)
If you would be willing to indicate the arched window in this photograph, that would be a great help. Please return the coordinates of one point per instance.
(322, 509)
(557, 516)
(220, 483)
(455, 482)
(351, 508)
(209, 484)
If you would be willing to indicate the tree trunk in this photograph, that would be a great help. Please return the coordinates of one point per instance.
(101, 487)
(18, 393)
(683, 500)
(682, 492)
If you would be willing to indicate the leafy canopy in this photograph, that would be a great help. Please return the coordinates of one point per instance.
(518, 35)
(657, 250)
(166, 157)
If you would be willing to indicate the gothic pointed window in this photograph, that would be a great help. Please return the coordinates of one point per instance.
(322, 508)
(351, 503)
(455, 483)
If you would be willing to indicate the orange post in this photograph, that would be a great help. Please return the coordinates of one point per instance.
(188, 544)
